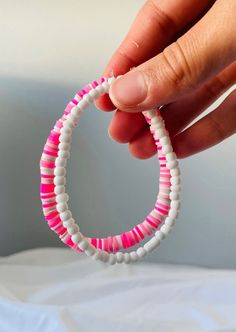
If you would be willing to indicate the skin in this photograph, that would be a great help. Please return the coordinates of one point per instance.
(180, 54)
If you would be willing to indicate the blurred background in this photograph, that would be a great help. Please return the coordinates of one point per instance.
(49, 49)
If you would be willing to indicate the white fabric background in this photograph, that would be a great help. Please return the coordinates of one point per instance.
(57, 290)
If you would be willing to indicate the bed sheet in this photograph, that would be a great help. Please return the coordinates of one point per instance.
(52, 289)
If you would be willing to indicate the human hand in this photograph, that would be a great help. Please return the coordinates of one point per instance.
(184, 56)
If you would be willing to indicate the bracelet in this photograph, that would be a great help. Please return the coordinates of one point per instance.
(54, 198)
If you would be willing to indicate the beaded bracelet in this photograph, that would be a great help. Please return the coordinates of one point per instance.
(54, 199)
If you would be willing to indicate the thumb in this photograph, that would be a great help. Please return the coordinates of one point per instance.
(194, 58)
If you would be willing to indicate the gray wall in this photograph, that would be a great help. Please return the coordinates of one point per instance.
(48, 51)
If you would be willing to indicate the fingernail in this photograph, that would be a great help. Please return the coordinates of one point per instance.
(129, 90)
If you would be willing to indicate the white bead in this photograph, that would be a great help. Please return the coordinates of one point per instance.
(152, 244)
(106, 86)
(64, 146)
(166, 149)
(159, 235)
(175, 204)
(65, 215)
(83, 245)
(66, 130)
(61, 198)
(174, 195)
(134, 257)
(75, 111)
(64, 154)
(69, 222)
(59, 189)
(65, 138)
(175, 180)
(59, 180)
(87, 98)
(111, 80)
(90, 251)
(100, 90)
(175, 187)
(164, 141)
(97, 255)
(104, 256)
(175, 171)
(83, 104)
(173, 213)
(170, 156)
(112, 259)
(73, 229)
(61, 162)
(71, 118)
(60, 171)
(165, 229)
(127, 258)
(119, 257)
(170, 221)
(172, 164)
(155, 126)
(93, 94)
(76, 238)
(61, 207)
(159, 133)
(68, 123)
(141, 252)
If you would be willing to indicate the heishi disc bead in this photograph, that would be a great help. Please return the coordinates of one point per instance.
(64, 146)
(134, 257)
(175, 171)
(62, 207)
(61, 162)
(112, 259)
(119, 257)
(152, 244)
(64, 154)
(83, 245)
(65, 215)
(77, 238)
(141, 252)
(59, 189)
(172, 164)
(174, 195)
(59, 180)
(69, 222)
(73, 229)
(60, 171)
(61, 198)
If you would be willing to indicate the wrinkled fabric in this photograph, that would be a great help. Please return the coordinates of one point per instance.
(47, 290)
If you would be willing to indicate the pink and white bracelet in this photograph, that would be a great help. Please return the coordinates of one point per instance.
(54, 198)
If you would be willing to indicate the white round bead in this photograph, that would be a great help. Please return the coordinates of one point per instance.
(69, 222)
(165, 229)
(76, 238)
(93, 94)
(61, 207)
(68, 123)
(175, 171)
(87, 98)
(64, 146)
(134, 257)
(100, 90)
(175, 180)
(64, 154)
(73, 229)
(65, 138)
(166, 149)
(172, 164)
(175, 204)
(141, 252)
(155, 126)
(159, 235)
(127, 258)
(83, 245)
(59, 189)
(59, 180)
(112, 259)
(152, 114)
(75, 111)
(106, 86)
(174, 195)
(160, 133)
(83, 104)
(170, 156)
(175, 187)
(164, 140)
(152, 244)
(61, 162)
(65, 215)
(104, 256)
(66, 130)
(119, 257)
(70, 118)
(111, 80)
(97, 255)
(61, 198)
(170, 221)
(60, 171)
(173, 213)
(90, 251)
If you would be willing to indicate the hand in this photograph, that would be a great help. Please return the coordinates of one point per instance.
(181, 55)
